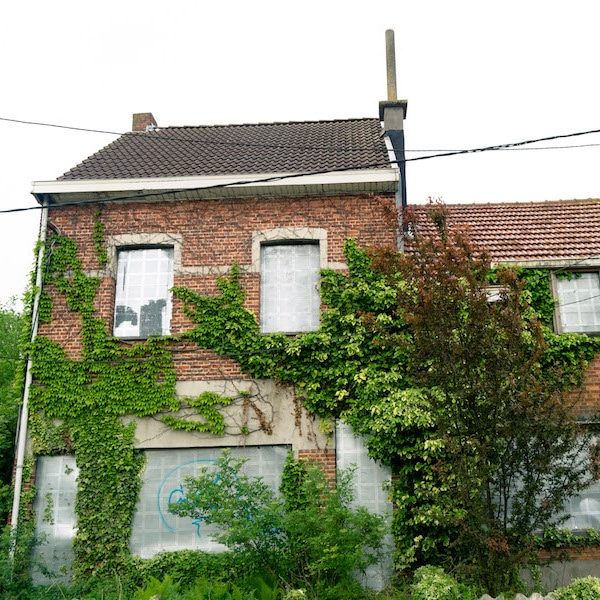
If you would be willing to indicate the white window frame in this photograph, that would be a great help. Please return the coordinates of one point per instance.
(161, 292)
(591, 306)
(288, 236)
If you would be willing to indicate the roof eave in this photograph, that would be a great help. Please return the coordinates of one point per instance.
(218, 186)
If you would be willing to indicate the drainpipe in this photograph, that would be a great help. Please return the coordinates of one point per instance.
(392, 113)
(21, 440)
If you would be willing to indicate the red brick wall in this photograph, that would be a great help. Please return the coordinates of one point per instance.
(588, 398)
(584, 553)
(325, 458)
(215, 233)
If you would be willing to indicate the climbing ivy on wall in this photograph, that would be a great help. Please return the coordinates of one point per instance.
(77, 405)
(355, 367)
(88, 395)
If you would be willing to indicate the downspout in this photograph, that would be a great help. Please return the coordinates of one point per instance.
(21, 441)
(392, 114)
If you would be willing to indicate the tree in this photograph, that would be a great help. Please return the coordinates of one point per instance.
(506, 451)
(10, 328)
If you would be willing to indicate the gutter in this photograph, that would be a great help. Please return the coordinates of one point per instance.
(368, 180)
(21, 438)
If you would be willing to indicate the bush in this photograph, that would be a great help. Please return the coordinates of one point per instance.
(431, 583)
(309, 538)
(165, 590)
(186, 566)
(587, 588)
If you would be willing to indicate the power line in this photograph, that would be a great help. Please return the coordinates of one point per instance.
(40, 124)
(443, 154)
(151, 135)
(569, 147)
(510, 145)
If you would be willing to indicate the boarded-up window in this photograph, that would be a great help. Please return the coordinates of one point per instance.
(289, 294)
(579, 303)
(143, 299)
(155, 529)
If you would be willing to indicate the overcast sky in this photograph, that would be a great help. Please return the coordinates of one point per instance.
(475, 73)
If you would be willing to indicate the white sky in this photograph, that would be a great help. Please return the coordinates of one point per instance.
(475, 73)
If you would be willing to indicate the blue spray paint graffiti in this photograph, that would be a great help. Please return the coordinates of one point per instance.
(171, 491)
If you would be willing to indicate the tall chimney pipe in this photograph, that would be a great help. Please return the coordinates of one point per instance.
(390, 61)
(392, 113)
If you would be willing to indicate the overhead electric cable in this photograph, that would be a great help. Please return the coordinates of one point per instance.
(40, 124)
(443, 154)
(151, 135)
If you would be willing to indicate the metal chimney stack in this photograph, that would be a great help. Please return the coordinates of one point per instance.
(392, 113)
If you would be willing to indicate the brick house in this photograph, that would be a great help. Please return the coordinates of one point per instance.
(180, 205)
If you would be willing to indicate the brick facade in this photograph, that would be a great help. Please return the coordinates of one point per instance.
(212, 235)
(325, 457)
(215, 234)
(588, 398)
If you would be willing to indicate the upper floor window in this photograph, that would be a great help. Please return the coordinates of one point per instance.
(579, 302)
(289, 294)
(143, 299)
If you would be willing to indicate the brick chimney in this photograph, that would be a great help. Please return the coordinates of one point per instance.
(143, 122)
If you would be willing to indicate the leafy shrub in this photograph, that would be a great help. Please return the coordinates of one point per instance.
(586, 588)
(263, 587)
(431, 583)
(15, 578)
(205, 589)
(186, 566)
(313, 541)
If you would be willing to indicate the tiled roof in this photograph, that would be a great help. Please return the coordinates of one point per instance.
(531, 231)
(238, 149)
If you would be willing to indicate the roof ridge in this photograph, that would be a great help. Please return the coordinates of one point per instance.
(269, 123)
(514, 203)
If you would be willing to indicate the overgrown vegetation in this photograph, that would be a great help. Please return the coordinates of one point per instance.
(307, 538)
(502, 453)
(10, 331)
(462, 397)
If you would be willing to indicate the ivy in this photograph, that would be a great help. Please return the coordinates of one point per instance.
(554, 539)
(538, 288)
(204, 405)
(355, 367)
(88, 395)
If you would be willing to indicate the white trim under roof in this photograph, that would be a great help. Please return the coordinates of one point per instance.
(221, 186)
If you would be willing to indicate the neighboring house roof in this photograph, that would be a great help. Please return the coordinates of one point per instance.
(238, 149)
(531, 232)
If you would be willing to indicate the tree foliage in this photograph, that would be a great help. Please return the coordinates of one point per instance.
(508, 452)
(10, 331)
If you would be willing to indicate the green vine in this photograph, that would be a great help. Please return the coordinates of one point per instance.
(204, 404)
(343, 370)
(89, 394)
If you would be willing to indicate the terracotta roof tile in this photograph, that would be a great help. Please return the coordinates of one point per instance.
(238, 149)
(531, 231)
